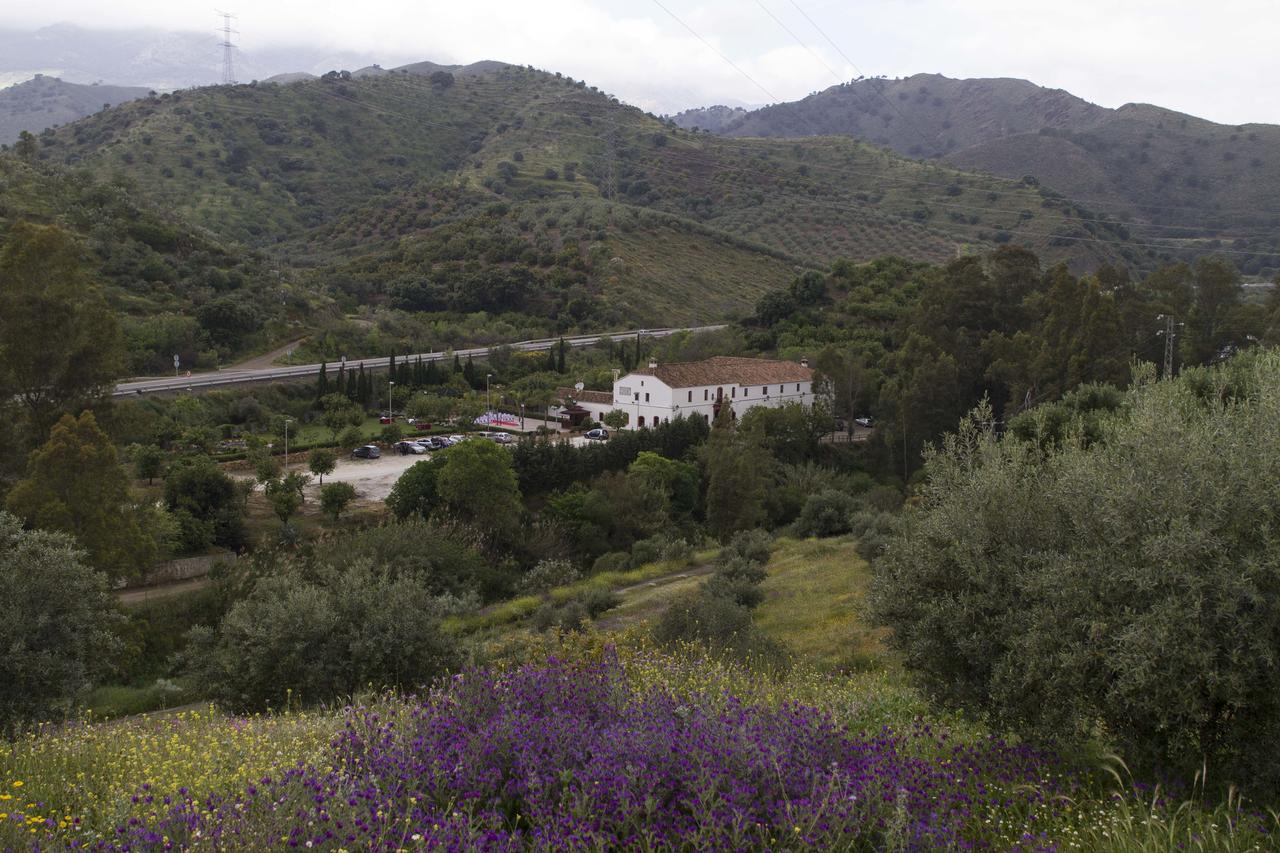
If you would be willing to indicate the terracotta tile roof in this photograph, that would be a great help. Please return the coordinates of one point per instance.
(728, 370)
(584, 396)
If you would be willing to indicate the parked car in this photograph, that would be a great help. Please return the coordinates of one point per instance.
(369, 451)
(385, 419)
(501, 438)
(407, 447)
(597, 434)
(863, 421)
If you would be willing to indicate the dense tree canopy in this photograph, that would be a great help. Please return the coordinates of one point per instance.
(75, 484)
(56, 619)
(1121, 577)
(60, 345)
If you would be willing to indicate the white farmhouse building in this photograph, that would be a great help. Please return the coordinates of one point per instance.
(655, 395)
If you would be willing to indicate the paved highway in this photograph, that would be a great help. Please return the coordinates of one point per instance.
(222, 378)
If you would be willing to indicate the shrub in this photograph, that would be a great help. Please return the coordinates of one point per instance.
(1126, 585)
(872, 530)
(56, 621)
(334, 498)
(826, 514)
(317, 639)
(723, 626)
(548, 575)
(752, 546)
(614, 561)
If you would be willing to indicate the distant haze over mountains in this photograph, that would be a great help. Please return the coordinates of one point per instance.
(154, 58)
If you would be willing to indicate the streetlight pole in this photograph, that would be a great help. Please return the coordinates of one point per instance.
(522, 416)
(488, 400)
(390, 386)
(287, 421)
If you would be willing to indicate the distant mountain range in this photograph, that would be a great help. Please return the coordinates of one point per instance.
(1166, 174)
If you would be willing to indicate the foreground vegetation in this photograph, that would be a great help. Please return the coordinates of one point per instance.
(600, 745)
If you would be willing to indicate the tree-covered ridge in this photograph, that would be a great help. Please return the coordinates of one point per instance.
(270, 163)
(178, 288)
(1176, 181)
(47, 101)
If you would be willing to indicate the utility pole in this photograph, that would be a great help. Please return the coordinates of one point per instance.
(1170, 332)
(228, 72)
(287, 421)
(488, 400)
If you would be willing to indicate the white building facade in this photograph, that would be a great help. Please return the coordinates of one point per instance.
(662, 392)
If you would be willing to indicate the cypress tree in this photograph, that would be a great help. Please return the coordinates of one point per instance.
(432, 374)
(340, 385)
(457, 364)
(362, 388)
(560, 360)
(322, 381)
(551, 359)
(391, 369)
(469, 372)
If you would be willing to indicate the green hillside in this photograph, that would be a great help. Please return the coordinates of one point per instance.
(1183, 185)
(270, 164)
(180, 289)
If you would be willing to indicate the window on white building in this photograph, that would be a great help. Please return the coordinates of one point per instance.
(646, 396)
(690, 396)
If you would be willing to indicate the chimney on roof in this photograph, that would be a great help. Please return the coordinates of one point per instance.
(804, 362)
(653, 364)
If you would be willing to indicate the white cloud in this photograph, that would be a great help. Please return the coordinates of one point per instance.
(1212, 60)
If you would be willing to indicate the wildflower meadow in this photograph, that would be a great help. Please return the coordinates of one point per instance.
(605, 749)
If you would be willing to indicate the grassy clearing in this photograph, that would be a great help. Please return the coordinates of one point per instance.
(516, 609)
(814, 598)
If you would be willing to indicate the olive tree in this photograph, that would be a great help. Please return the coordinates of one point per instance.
(56, 621)
(1128, 584)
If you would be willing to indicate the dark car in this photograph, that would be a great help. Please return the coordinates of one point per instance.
(597, 434)
(404, 448)
(369, 451)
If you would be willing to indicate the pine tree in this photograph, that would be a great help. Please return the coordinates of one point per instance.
(737, 468)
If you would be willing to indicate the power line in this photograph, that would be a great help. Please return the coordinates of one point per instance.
(228, 72)
(778, 21)
(712, 48)
(923, 138)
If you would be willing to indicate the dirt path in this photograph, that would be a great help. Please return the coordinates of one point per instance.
(266, 359)
(141, 595)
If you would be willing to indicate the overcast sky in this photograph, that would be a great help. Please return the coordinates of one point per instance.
(1212, 59)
